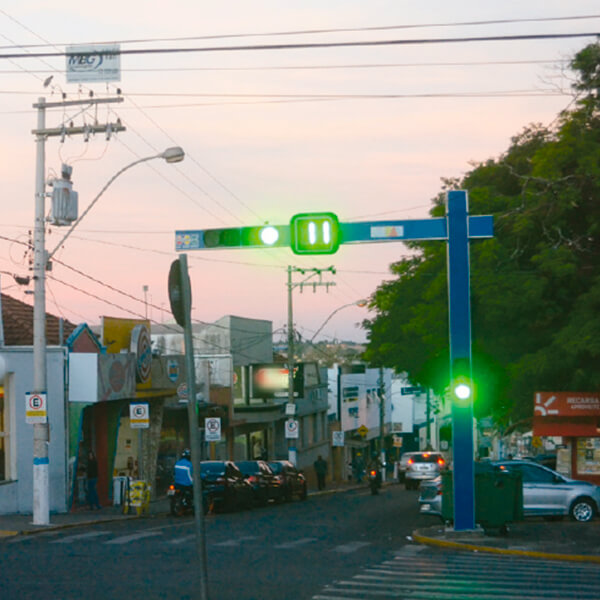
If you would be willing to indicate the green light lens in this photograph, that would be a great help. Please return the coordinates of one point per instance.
(269, 235)
(462, 391)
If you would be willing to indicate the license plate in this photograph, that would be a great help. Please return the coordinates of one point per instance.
(170, 492)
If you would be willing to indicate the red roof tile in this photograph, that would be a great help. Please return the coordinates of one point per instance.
(17, 318)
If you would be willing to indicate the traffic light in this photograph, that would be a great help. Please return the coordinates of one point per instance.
(314, 233)
(462, 383)
(248, 237)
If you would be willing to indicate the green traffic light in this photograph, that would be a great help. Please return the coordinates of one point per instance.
(462, 391)
(269, 235)
(314, 233)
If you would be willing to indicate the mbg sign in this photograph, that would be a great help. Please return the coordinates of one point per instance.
(93, 63)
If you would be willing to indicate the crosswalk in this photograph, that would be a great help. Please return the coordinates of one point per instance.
(164, 535)
(417, 572)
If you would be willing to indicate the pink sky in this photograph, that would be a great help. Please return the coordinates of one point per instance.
(251, 160)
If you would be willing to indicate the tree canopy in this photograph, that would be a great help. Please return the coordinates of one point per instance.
(535, 286)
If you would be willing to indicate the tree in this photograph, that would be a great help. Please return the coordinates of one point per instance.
(535, 286)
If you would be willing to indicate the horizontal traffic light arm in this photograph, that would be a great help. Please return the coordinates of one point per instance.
(480, 226)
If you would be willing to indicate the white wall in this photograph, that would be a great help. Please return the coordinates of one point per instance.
(16, 496)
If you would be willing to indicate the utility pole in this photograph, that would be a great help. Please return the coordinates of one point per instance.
(290, 327)
(41, 437)
(382, 422)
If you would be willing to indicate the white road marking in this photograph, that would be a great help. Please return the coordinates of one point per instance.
(79, 536)
(296, 543)
(235, 542)
(351, 547)
(125, 539)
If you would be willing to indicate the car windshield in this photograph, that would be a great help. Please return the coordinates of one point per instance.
(248, 467)
(276, 468)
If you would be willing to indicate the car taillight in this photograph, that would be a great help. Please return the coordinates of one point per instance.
(171, 487)
(373, 472)
(410, 461)
(252, 479)
(441, 462)
(278, 478)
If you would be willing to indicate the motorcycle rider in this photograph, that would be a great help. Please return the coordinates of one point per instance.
(183, 472)
(376, 465)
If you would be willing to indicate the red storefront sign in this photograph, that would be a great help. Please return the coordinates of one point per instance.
(566, 404)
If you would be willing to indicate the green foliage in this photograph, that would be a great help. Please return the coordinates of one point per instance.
(535, 286)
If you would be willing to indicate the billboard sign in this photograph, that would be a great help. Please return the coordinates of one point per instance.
(566, 404)
(99, 62)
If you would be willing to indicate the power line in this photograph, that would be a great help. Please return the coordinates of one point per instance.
(314, 45)
(316, 31)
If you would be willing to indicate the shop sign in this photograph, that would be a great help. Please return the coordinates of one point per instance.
(567, 404)
(173, 370)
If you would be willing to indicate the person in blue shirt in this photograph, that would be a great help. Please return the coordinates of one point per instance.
(183, 471)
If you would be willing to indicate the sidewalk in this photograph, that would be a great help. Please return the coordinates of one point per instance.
(535, 538)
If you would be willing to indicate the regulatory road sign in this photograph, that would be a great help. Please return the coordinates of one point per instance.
(212, 429)
(291, 429)
(36, 408)
(139, 415)
(337, 438)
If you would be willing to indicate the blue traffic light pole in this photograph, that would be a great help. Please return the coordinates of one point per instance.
(459, 310)
(322, 233)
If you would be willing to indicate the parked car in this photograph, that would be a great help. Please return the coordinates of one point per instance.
(265, 485)
(402, 466)
(224, 486)
(422, 466)
(546, 493)
(292, 481)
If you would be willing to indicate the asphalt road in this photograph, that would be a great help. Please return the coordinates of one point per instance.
(279, 552)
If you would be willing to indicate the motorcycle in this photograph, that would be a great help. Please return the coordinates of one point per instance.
(182, 500)
(374, 481)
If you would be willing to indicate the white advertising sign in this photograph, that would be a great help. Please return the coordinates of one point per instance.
(291, 429)
(36, 408)
(337, 438)
(139, 415)
(100, 62)
(212, 429)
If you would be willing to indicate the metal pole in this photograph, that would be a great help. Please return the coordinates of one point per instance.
(428, 417)
(193, 427)
(41, 507)
(290, 358)
(381, 422)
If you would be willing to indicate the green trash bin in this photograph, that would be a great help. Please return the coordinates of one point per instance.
(498, 497)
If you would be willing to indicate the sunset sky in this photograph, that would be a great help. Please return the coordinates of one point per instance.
(364, 131)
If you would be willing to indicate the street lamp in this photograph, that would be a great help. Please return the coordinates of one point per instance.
(41, 505)
(360, 303)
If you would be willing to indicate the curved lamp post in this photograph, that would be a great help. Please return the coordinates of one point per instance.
(360, 303)
(41, 504)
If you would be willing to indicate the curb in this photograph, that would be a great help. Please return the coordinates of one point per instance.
(421, 539)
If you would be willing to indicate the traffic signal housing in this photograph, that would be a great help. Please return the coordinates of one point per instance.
(314, 233)
(462, 382)
(246, 237)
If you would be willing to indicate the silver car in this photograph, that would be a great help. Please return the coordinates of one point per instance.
(422, 466)
(546, 493)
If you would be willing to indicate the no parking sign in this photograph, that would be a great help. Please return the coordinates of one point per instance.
(139, 415)
(212, 429)
(291, 429)
(35, 408)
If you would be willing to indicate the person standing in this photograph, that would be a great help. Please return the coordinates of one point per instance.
(92, 482)
(320, 466)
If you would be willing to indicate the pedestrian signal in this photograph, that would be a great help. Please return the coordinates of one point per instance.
(314, 233)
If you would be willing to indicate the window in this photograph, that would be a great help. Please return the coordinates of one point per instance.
(3, 437)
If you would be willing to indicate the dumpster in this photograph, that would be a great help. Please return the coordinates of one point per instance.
(498, 497)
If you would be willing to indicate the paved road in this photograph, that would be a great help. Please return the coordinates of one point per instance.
(288, 551)
(418, 572)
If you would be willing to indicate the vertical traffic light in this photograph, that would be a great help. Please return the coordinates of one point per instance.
(462, 382)
(314, 233)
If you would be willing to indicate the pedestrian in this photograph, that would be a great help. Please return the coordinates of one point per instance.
(321, 470)
(92, 481)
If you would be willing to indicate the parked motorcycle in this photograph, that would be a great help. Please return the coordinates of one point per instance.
(374, 481)
(182, 500)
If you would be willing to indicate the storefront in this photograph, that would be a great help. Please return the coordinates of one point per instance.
(575, 416)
